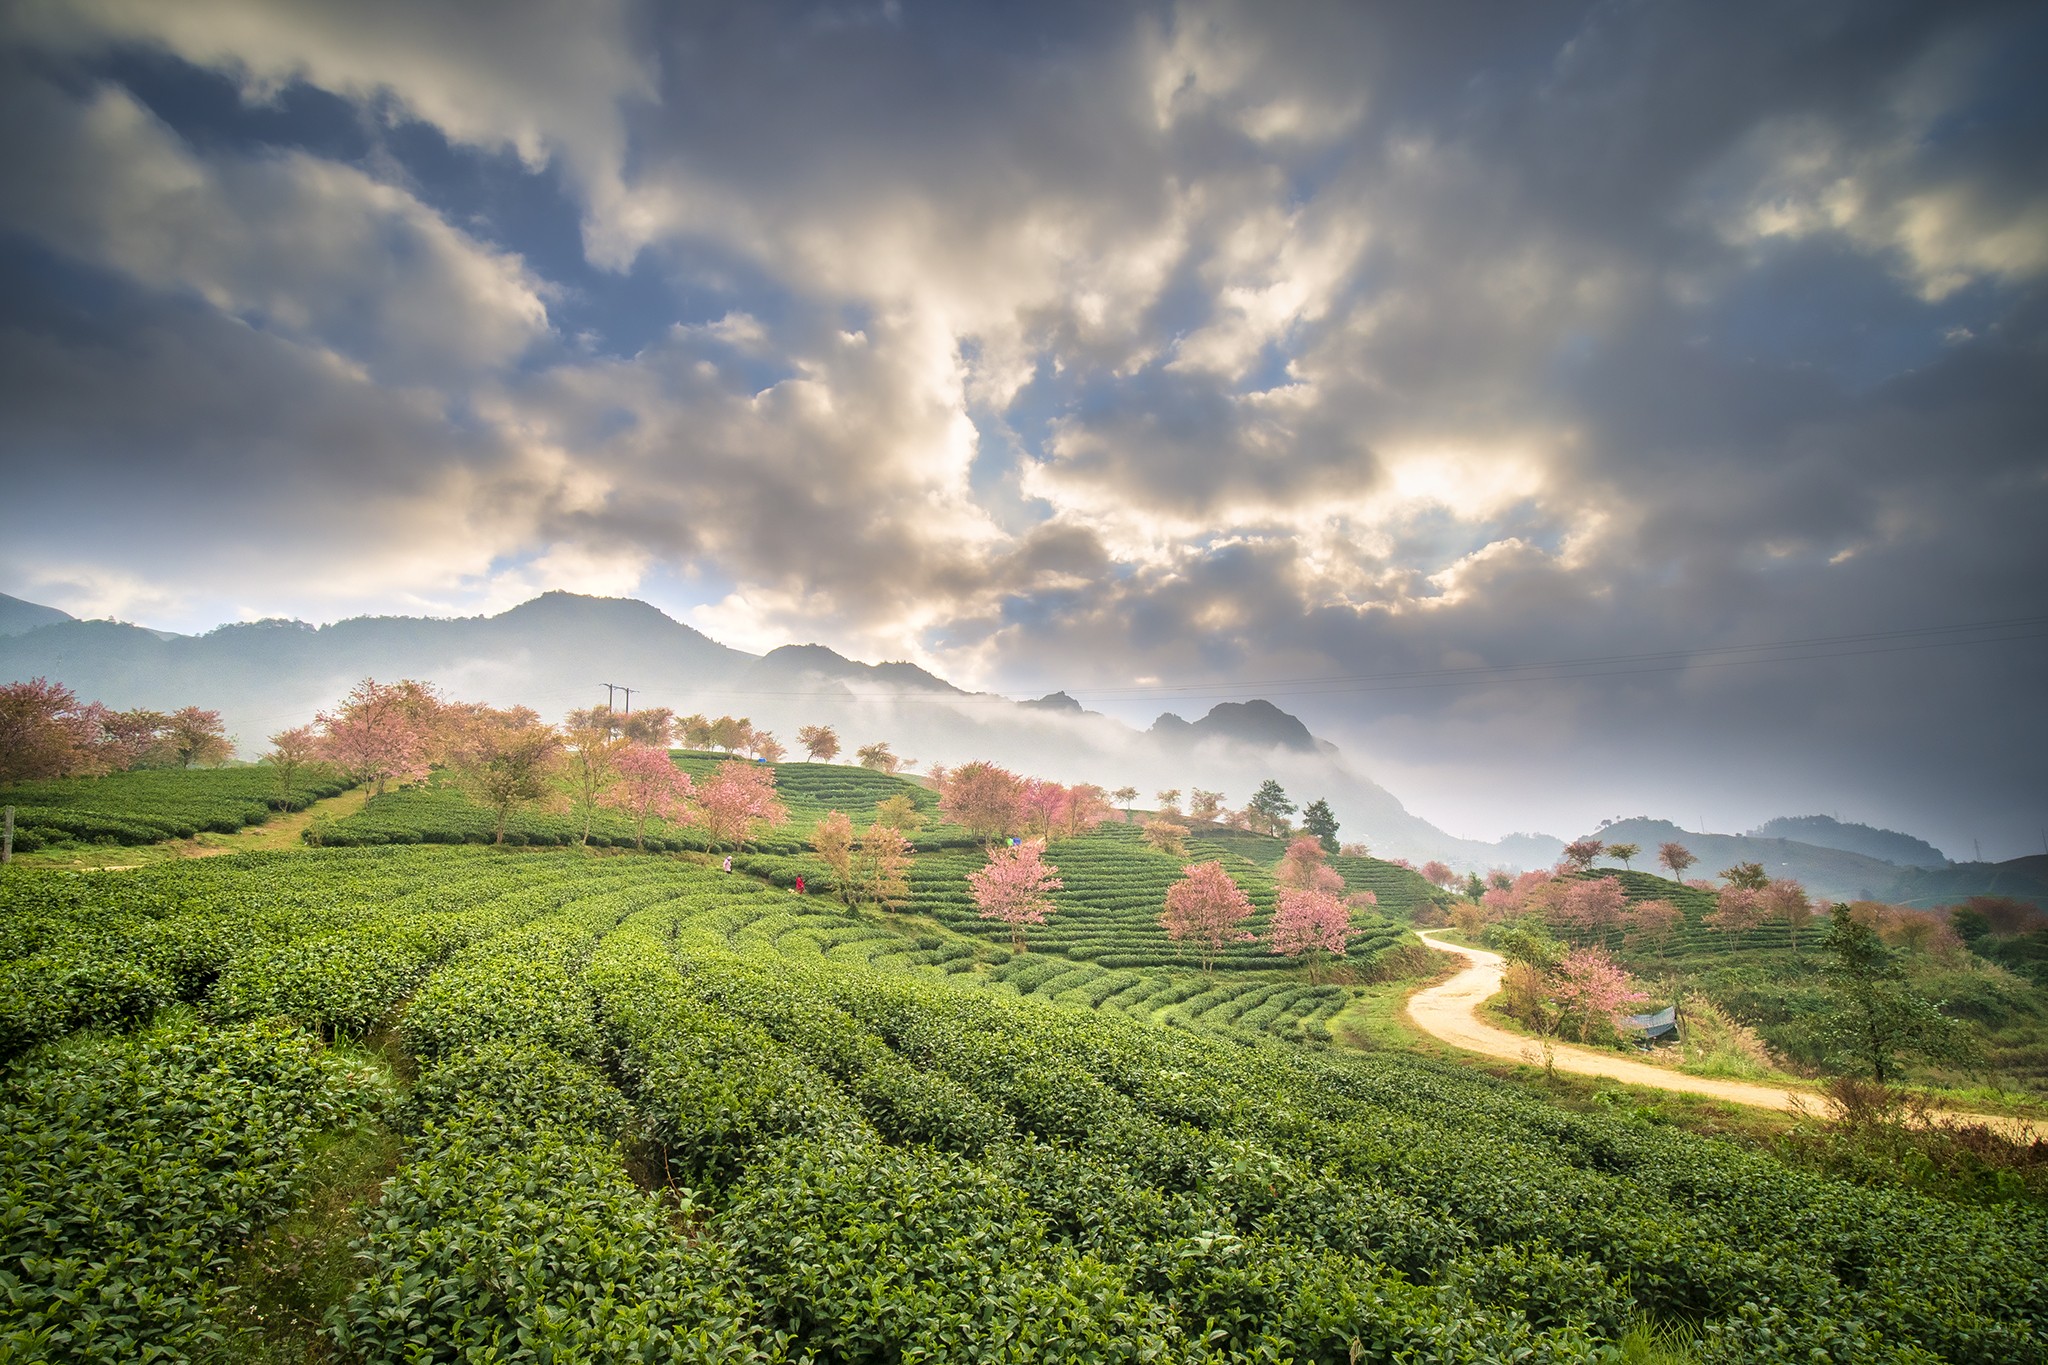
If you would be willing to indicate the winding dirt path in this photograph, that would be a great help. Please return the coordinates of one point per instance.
(1449, 1012)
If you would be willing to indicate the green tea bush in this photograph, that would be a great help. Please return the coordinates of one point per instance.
(134, 1168)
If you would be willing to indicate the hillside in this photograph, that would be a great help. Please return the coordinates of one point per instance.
(2024, 879)
(559, 650)
(1837, 874)
(154, 804)
(675, 1113)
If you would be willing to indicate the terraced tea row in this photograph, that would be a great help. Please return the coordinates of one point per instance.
(148, 806)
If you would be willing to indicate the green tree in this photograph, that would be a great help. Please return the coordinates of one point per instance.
(1878, 1014)
(1321, 821)
(899, 812)
(290, 750)
(594, 746)
(1270, 807)
(1624, 852)
(1746, 876)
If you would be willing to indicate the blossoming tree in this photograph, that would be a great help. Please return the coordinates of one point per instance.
(1207, 908)
(1015, 887)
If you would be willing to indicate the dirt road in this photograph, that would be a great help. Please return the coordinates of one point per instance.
(1448, 1012)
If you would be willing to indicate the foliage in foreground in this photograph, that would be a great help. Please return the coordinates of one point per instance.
(135, 1166)
(847, 1154)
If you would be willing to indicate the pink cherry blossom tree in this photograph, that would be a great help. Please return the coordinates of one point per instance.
(504, 759)
(1508, 896)
(1654, 922)
(1588, 987)
(1737, 909)
(981, 798)
(1592, 907)
(1015, 887)
(1676, 858)
(1580, 853)
(1302, 867)
(383, 732)
(45, 732)
(1086, 807)
(1207, 907)
(290, 751)
(1309, 923)
(1043, 805)
(737, 797)
(1784, 899)
(647, 784)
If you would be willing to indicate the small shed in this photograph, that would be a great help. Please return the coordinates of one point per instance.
(1654, 1028)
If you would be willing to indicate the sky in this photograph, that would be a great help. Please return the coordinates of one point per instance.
(1572, 410)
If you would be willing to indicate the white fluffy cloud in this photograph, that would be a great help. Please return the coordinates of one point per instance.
(542, 80)
(287, 241)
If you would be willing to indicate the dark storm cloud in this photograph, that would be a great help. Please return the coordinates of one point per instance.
(1082, 344)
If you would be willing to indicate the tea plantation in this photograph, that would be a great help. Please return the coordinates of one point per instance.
(150, 805)
(649, 1111)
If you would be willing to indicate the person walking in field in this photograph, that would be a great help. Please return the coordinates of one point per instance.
(728, 862)
(799, 886)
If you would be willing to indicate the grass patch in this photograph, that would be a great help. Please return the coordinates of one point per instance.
(1647, 1343)
(289, 1278)
(1713, 1044)
(1377, 1018)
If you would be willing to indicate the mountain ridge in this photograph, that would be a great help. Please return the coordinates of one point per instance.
(1889, 845)
(1831, 873)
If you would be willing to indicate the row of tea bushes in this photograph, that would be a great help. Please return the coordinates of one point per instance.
(150, 805)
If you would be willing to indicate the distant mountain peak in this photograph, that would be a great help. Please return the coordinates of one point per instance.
(903, 673)
(1256, 722)
(786, 662)
(813, 657)
(556, 605)
(1054, 701)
